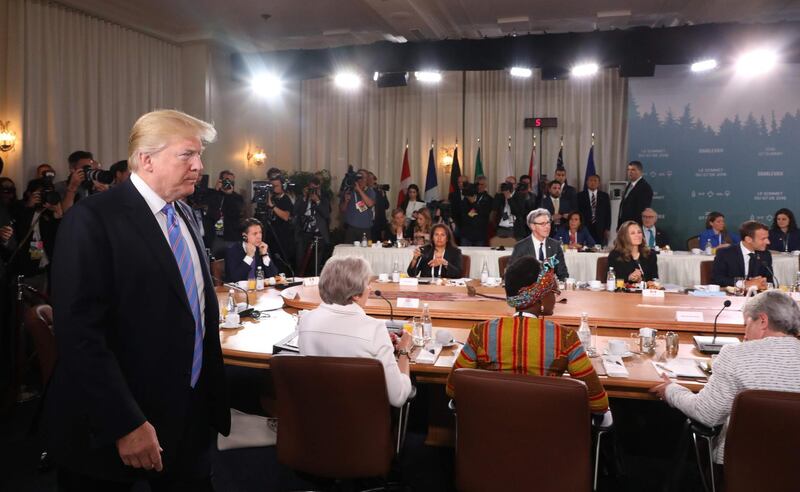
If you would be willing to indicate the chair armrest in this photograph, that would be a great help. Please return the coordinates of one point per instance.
(451, 405)
(704, 430)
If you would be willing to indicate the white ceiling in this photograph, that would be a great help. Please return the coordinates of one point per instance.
(329, 23)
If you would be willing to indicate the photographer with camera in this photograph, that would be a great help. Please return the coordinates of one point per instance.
(312, 214)
(504, 211)
(85, 178)
(279, 229)
(224, 214)
(36, 227)
(381, 206)
(525, 200)
(474, 217)
(356, 203)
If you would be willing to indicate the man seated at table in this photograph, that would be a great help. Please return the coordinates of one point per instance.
(769, 359)
(539, 244)
(527, 342)
(653, 236)
(243, 259)
(441, 258)
(339, 327)
(749, 260)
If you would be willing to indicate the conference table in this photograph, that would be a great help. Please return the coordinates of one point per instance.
(613, 315)
(679, 268)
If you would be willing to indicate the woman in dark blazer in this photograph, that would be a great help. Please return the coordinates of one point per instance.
(631, 259)
(784, 234)
(441, 258)
(574, 234)
(243, 259)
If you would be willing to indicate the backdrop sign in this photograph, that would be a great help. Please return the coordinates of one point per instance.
(716, 142)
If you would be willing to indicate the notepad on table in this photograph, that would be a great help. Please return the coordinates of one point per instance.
(679, 367)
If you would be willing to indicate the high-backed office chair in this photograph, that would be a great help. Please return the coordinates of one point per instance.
(334, 417)
(602, 268)
(692, 242)
(503, 264)
(705, 272)
(515, 432)
(38, 321)
(466, 263)
(218, 271)
(761, 443)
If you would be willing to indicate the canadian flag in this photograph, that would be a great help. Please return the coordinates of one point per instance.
(405, 179)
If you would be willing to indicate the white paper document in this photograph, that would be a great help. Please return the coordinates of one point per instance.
(615, 366)
(679, 367)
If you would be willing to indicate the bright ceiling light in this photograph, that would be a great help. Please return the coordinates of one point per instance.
(521, 72)
(704, 65)
(584, 69)
(347, 80)
(756, 62)
(375, 76)
(267, 85)
(426, 76)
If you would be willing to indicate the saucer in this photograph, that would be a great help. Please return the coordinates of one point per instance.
(624, 355)
(388, 280)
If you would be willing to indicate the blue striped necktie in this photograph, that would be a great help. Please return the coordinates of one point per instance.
(181, 251)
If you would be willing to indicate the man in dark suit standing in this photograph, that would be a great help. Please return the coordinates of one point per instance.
(638, 195)
(539, 244)
(139, 389)
(558, 206)
(568, 192)
(595, 208)
(749, 260)
(653, 236)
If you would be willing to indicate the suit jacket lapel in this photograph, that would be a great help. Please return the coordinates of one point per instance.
(143, 220)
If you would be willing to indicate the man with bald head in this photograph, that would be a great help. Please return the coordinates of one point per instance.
(139, 390)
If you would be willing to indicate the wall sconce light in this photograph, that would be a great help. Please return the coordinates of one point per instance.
(447, 158)
(258, 157)
(8, 139)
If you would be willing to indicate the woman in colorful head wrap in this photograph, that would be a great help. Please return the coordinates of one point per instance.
(527, 342)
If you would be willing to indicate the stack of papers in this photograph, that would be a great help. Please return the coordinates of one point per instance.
(428, 354)
(614, 366)
(680, 368)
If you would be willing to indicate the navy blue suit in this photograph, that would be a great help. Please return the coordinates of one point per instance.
(584, 237)
(729, 264)
(236, 269)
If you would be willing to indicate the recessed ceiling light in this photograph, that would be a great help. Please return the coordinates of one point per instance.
(521, 72)
(584, 69)
(704, 65)
(428, 76)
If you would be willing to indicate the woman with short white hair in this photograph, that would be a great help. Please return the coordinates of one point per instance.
(339, 327)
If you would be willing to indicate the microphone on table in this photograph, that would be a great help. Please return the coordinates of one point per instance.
(247, 311)
(710, 345)
(764, 264)
(288, 265)
(391, 324)
(725, 304)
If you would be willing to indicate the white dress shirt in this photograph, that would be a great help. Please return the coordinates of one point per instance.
(746, 254)
(334, 330)
(156, 204)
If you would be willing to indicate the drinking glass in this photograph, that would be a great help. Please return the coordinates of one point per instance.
(418, 335)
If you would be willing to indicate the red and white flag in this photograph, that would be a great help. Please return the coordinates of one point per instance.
(405, 178)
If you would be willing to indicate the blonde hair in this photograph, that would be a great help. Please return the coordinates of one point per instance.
(623, 245)
(342, 278)
(153, 131)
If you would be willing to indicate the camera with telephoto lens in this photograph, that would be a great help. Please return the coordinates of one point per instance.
(49, 193)
(349, 181)
(384, 187)
(99, 175)
(227, 184)
(506, 186)
(522, 187)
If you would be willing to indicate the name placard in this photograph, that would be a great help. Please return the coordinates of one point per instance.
(653, 293)
(409, 281)
(408, 302)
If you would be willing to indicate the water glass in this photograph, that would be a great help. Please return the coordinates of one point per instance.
(418, 334)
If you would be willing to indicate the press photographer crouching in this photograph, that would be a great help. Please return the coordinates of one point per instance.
(224, 214)
(312, 215)
(242, 260)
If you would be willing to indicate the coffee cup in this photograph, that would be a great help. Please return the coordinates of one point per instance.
(712, 288)
(696, 251)
(595, 284)
(383, 277)
(244, 284)
(356, 243)
(617, 347)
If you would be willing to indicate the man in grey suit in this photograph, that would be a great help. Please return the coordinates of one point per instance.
(539, 244)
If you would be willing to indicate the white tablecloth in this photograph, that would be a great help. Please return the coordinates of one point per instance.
(680, 268)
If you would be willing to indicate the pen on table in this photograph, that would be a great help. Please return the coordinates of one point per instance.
(664, 368)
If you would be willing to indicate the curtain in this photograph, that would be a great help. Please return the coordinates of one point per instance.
(369, 127)
(86, 81)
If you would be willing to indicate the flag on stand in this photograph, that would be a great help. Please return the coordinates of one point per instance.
(478, 164)
(532, 172)
(560, 160)
(590, 170)
(405, 178)
(508, 168)
(431, 184)
(455, 172)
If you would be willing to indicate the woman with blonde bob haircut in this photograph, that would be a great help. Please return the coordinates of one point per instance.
(339, 327)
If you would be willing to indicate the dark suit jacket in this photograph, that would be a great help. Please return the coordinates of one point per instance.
(569, 192)
(584, 238)
(125, 336)
(729, 264)
(452, 270)
(603, 212)
(623, 268)
(565, 205)
(639, 198)
(322, 213)
(236, 269)
(524, 247)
